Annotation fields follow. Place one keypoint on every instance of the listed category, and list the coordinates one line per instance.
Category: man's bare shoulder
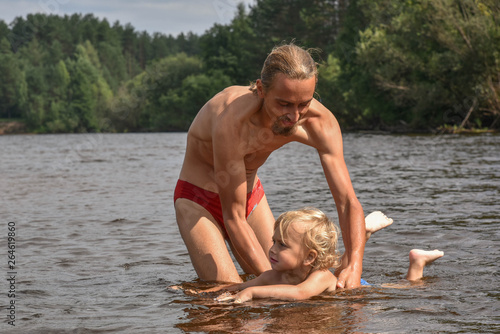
(319, 125)
(319, 114)
(235, 108)
(231, 95)
(234, 101)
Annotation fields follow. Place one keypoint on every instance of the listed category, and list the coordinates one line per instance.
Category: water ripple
(98, 243)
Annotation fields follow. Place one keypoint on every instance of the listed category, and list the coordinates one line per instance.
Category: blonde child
(304, 248)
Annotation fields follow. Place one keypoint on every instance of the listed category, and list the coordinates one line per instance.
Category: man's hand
(349, 278)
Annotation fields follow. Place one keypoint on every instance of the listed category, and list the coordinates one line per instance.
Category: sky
(163, 16)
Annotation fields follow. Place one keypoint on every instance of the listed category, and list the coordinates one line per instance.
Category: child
(304, 248)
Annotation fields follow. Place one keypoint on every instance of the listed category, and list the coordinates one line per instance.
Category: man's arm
(351, 220)
(328, 141)
(230, 176)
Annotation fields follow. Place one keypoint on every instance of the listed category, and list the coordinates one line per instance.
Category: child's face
(287, 254)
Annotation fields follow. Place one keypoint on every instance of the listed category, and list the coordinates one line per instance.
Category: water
(97, 243)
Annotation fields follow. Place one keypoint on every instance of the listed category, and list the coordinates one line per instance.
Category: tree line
(391, 65)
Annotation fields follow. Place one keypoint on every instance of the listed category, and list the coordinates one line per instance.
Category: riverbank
(12, 127)
(9, 127)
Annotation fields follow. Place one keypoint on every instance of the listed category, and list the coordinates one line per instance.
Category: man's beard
(286, 131)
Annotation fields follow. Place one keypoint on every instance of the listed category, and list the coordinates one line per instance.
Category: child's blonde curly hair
(320, 234)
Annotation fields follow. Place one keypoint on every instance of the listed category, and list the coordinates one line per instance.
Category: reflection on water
(98, 243)
(340, 313)
(256, 317)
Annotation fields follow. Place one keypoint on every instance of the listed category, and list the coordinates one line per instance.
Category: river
(96, 243)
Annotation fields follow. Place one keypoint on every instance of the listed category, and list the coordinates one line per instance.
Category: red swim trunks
(211, 201)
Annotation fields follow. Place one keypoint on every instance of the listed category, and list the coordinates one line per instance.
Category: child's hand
(198, 291)
(228, 297)
(236, 298)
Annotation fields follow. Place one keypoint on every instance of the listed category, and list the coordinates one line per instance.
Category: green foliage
(180, 106)
(234, 49)
(409, 64)
(62, 73)
(165, 97)
(422, 63)
(314, 23)
(13, 83)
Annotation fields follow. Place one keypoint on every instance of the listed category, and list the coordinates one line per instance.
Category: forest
(384, 65)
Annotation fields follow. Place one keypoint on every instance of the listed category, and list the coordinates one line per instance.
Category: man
(219, 196)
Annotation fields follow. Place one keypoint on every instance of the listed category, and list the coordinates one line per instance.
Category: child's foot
(418, 260)
(423, 258)
(376, 221)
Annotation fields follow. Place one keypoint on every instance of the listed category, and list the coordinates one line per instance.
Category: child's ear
(311, 257)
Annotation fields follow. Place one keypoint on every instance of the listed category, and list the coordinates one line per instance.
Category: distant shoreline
(19, 127)
(12, 127)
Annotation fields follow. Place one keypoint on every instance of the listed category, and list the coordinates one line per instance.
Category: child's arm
(316, 283)
(264, 279)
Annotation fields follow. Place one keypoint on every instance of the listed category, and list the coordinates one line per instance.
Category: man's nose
(294, 115)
